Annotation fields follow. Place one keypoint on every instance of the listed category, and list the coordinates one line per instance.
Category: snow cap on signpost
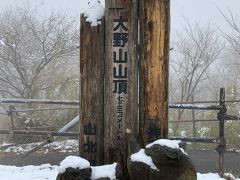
(94, 12)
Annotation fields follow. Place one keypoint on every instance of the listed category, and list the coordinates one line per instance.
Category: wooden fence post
(91, 92)
(121, 93)
(154, 61)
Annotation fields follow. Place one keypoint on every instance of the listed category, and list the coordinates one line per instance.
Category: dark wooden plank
(154, 61)
(91, 92)
(119, 4)
(120, 132)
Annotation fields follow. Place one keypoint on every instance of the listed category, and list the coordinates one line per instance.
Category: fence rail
(197, 120)
(43, 109)
(38, 101)
(67, 102)
(39, 133)
(204, 102)
(195, 139)
(195, 106)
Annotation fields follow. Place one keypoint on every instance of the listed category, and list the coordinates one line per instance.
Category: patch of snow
(73, 162)
(229, 175)
(60, 146)
(64, 146)
(5, 144)
(94, 12)
(183, 133)
(45, 171)
(20, 149)
(104, 171)
(203, 131)
(46, 151)
(2, 42)
(209, 176)
(166, 142)
(27, 120)
(140, 156)
(183, 151)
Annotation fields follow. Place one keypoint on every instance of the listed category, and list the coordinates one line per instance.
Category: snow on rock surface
(94, 12)
(140, 156)
(73, 162)
(104, 171)
(166, 142)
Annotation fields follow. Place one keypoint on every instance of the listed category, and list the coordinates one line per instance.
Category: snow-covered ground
(46, 171)
(59, 146)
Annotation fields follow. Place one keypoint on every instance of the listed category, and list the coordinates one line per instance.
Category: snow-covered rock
(162, 159)
(174, 144)
(77, 167)
(140, 156)
(73, 162)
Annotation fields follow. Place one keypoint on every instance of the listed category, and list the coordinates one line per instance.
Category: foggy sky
(194, 10)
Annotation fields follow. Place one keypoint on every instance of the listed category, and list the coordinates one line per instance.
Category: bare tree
(28, 45)
(194, 51)
(233, 37)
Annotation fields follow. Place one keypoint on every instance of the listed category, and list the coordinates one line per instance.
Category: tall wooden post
(154, 61)
(121, 100)
(91, 92)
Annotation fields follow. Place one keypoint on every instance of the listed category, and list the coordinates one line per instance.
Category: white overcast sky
(194, 10)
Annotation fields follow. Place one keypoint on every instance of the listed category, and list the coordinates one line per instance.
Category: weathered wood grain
(154, 62)
(118, 150)
(91, 91)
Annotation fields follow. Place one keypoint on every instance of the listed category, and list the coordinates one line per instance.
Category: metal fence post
(10, 114)
(222, 144)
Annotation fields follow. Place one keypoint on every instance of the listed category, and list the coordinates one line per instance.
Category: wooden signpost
(112, 84)
(154, 62)
(91, 92)
(121, 94)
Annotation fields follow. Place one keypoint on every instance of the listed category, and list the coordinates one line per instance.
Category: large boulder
(162, 160)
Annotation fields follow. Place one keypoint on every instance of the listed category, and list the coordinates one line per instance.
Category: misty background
(39, 59)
